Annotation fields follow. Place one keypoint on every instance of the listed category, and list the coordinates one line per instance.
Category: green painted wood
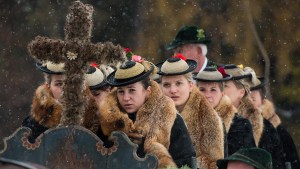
(74, 147)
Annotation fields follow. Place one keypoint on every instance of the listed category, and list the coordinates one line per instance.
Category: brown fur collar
(268, 112)
(45, 109)
(90, 117)
(226, 111)
(154, 120)
(247, 110)
(205, 128)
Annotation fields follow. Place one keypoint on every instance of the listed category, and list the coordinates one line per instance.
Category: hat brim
(124, 82)
(222, 164)
(228, 77)
(176, 43)
(99, 86)
(261, 85)
(45, 70)
(191, 63)
(241, 77)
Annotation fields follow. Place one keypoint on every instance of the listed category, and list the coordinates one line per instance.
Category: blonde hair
(189, 76)
(242, 84)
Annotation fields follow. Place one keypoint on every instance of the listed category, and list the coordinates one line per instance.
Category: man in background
(191, 41)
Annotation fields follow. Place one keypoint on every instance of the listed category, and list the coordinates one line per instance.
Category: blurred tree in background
(146, 27)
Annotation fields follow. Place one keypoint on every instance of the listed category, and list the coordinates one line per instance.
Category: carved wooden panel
(74, 147)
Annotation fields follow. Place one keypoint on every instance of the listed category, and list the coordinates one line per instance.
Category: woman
(267, 109)
(46, 107)
(238, 89)
(95, 79)
(238, 129)
(138, 108)
(98, 88)
(203, 123)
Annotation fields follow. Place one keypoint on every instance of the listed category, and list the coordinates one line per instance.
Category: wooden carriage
(70, 145)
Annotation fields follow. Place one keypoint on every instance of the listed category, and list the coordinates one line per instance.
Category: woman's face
(56, 85)
(100, 94)
(178, 88)
(212, 92)
(256, 98)
(133, 96)
(234, 93)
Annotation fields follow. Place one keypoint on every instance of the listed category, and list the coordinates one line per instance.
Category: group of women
(184, 119)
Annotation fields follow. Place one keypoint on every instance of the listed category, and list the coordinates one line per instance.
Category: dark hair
(145, 82)
(262, 92)
(104, 88)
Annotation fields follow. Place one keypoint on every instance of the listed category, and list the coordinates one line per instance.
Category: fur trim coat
(268, 112)
(265, 135)
(46, 112)
(238, 129)
(90, 116)
(247, 110)
(205, 128)
(154, 121)
(289, 148)
(45, 109)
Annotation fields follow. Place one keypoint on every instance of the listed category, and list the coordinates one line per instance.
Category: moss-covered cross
(76, 51)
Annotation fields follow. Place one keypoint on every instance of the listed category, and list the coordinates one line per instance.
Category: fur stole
(247, 110)
(154, 120)
(90, 117)
(45, 109)
(268, 112)
(205, 128)
(226, 111)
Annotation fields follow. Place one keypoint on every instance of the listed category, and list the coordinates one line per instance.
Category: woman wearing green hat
(204, 124)
(238, 129)
(238, 90)
(138, 108)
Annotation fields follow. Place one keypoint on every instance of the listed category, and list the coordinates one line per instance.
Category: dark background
(146, 27)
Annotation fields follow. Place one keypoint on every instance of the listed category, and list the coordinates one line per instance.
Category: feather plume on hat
(249, 70)
(143, 61)
(148, 65)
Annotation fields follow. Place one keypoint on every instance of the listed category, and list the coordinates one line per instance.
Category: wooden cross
(76, 51)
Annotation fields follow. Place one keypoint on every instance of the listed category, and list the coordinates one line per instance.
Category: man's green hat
(187, 35)
(256, 157)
